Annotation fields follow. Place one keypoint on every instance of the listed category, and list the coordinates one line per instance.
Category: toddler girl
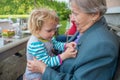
(42, 25)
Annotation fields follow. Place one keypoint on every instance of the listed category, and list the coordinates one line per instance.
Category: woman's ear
(95, 16)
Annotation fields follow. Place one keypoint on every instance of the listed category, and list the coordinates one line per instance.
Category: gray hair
(91, 6)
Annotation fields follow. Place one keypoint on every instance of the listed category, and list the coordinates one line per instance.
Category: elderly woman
(97, 47)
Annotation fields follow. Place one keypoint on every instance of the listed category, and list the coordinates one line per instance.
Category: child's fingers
(74, 53)
(74, 45)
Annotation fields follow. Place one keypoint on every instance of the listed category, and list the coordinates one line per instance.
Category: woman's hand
(36, 66)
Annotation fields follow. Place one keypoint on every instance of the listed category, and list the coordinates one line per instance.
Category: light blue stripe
(37, 49)
(35, 43)
(58, 60)
(36, 46)
(51, 61)
(54, 61)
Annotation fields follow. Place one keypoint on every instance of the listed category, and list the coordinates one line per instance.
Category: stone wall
(12, 67)
(113, 3)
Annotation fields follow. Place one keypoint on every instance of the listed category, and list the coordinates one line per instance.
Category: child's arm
(62, 45)
(39, 51)
(58, 45)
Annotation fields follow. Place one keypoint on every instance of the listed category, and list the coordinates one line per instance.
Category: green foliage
(15, 6)
(62, 29)
(64, 14)
(60, 7)
(20, 7)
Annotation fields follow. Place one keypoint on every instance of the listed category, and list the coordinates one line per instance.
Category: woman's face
(47, 31)
(82, 20)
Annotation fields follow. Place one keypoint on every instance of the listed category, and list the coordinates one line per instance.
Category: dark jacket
(96, 58)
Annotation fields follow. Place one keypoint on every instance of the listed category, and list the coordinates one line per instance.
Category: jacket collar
(101, 22)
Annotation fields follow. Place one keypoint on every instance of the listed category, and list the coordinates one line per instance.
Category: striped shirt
(38, 49)
(42, 51)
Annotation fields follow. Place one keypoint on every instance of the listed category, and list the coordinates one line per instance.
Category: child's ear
(40, 23)
(38, 32)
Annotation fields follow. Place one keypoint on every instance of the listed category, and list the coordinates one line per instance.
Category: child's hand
(70, 52)
(71, 45)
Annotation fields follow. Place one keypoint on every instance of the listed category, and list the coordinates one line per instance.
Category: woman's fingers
(36, 65)
(29, 65)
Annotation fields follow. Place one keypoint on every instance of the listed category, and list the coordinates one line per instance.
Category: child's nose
(53, 33)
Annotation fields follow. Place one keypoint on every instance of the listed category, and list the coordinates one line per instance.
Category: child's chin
(49, 39)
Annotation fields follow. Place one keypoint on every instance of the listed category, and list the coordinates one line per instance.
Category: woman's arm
(89, 65)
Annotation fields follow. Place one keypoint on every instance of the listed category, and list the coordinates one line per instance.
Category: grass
(62, 28)
(14, 16)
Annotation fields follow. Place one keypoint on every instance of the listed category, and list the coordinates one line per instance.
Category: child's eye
(49, 30)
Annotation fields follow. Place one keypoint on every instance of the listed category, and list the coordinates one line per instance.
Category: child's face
(48, 31)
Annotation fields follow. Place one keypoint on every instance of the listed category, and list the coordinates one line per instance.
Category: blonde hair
(91, 6)
(38, 17)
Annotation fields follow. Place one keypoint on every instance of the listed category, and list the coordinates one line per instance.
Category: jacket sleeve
(98, 65)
